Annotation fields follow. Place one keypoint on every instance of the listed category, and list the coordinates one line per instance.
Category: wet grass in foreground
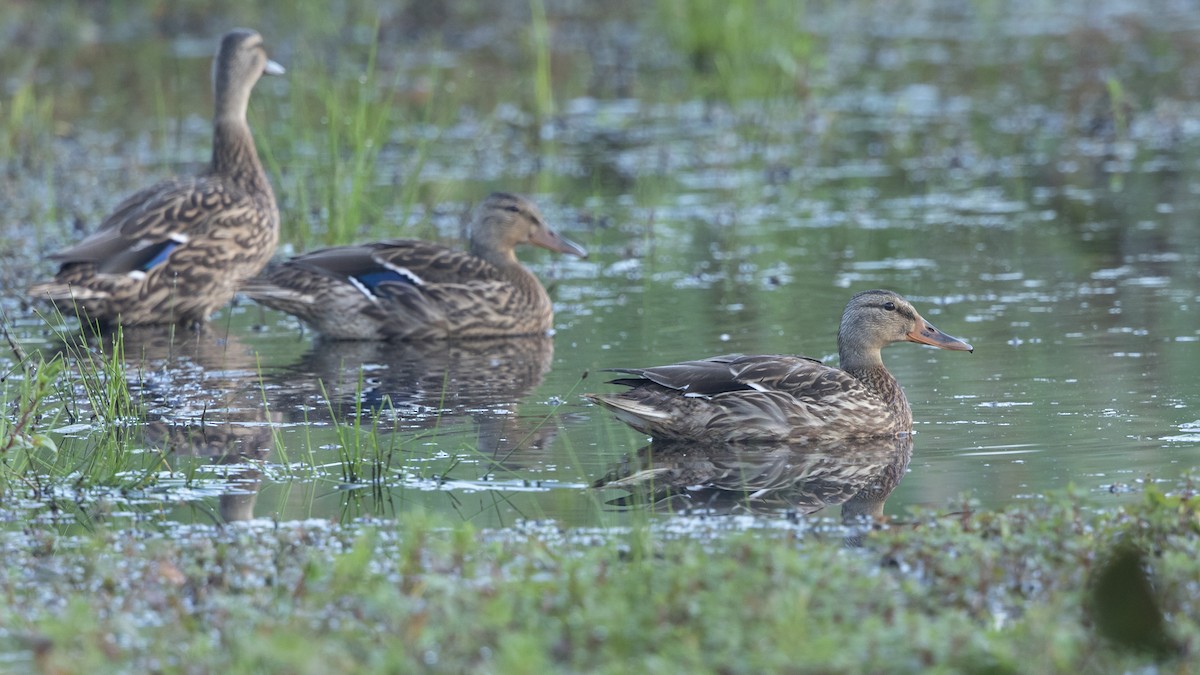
(967, 592)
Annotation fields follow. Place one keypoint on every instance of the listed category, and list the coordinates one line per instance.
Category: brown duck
(175, 252)
(737, 398)
(407, 289)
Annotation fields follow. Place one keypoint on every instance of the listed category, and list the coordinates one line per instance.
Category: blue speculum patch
(372, 280)
(160, 255)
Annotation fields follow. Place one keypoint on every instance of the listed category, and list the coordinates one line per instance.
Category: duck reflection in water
(419, 385)
(783, 479)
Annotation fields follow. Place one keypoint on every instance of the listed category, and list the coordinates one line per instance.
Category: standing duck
(735, 398)
(175, 252)
(407, 289)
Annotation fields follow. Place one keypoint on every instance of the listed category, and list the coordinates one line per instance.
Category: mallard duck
(175, 252)
(737, 398)
(408, 289)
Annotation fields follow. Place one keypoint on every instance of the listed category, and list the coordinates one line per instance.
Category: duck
(175, 252)
(737, 398)
(409, 289)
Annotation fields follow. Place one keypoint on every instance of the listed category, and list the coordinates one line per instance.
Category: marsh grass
(22, 425)
(325, 153)
(744, 49)
(366, 454)
(28, 118)
(33, 462)
(540, 41)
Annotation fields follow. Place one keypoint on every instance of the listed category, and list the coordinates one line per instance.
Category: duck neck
(867, 367)
(233, 153)
(506, 263)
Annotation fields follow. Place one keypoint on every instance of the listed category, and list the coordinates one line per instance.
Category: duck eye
(510, 207)
(889, 306)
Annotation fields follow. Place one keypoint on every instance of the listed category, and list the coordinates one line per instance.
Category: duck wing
(735, 398)
(434, 263)
(149, 224)
(798, 376)
(386, 265)
(400, 288)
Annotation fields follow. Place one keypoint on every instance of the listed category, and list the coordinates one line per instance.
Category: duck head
(240, 61)
(877, 318)
(505, 221)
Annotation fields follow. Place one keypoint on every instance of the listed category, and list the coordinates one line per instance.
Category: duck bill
(547, 238)
(273, 68)
(925, 333)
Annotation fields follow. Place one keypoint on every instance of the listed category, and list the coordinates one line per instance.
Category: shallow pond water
(1029, 182)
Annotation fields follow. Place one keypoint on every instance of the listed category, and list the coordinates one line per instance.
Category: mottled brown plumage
(737, 398)
(405, 289)
(177, 251)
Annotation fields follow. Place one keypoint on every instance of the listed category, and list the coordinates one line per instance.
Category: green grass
(342, 116)
(969, 592)
(347, 124)
(539, 37)
(87, 385)
(744, 49)
(27, 122)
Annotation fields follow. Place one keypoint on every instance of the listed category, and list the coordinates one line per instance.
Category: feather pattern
(177, 250)
(772, 398)
(407, 289)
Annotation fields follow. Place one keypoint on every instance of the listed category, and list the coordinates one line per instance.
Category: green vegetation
(82, 387)
(342, 116)
(745, 49)
(27, 118)
(969, 592)
(539, 36)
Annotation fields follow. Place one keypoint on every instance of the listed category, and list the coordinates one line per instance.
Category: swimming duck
(407, 289)
(175, 252)
(737, 398)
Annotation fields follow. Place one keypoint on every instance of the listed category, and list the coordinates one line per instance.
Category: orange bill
(926, 334)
